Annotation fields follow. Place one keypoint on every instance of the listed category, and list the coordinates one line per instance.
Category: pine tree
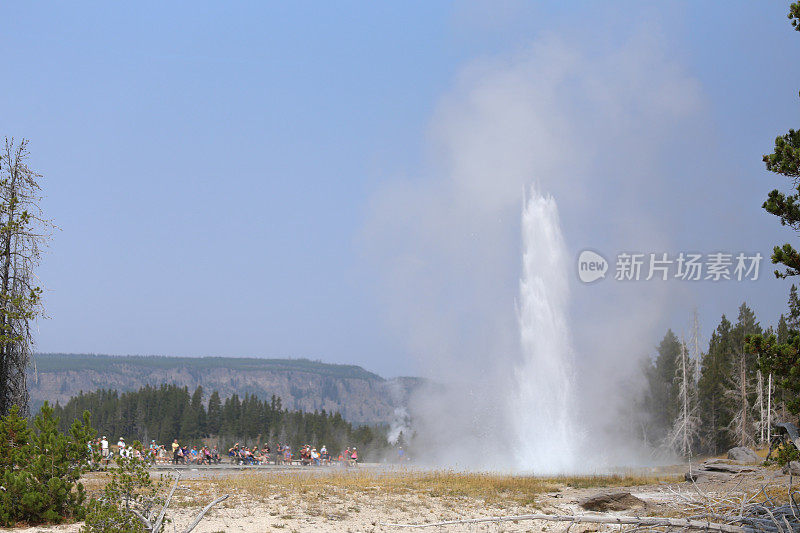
(714, 410)
(742, 379)
(782, 331)
(742, 422)
(741, 390)
(664, 389)
(41, 468)
(794, 309)
(777, 357)
(214, 416)
(190, 427)
(785, 160)
(199, 410)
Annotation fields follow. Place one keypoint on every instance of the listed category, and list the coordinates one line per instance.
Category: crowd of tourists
(154, 453)
(282, 454)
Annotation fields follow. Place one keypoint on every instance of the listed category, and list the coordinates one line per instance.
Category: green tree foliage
(783, 362)
(746, 324)
(777, 354)
(782, 331)
(169, 412)
(715, 367)
(785, 160)
(130, 490)
(727, 385)
(214, 415)
(41, 467)
(794, 15)
(662, 402)
(744, 384)
(793, 322)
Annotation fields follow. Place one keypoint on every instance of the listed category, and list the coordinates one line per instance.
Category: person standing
(175, 448)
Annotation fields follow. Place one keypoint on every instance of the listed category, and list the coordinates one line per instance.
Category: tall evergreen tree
(742, 389)
(782, 331)
(214, 416)
(199, 410)
(714, 409)
(794, 309)
(190, 428)
(785, 160)
(779, 356)
(662, 401)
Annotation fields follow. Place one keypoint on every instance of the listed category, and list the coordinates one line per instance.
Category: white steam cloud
(598, 129)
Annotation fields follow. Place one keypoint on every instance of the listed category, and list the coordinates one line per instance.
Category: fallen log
(594, 519)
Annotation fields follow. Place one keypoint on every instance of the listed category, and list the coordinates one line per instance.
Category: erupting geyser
(542, 404)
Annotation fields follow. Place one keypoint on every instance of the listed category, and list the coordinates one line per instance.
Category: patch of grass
(762, 452)
(616, 480)
(436, 484)
(490, 488)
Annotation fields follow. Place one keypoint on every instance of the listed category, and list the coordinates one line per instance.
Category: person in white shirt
(323, 455)
(121, 446)
(104, 447)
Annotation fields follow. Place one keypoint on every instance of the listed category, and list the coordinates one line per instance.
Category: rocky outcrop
(717, 465)
(743, 455)
(717, 470)
(615, 501)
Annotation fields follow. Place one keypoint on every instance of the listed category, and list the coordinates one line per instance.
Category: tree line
(168, 412)
(708, 401)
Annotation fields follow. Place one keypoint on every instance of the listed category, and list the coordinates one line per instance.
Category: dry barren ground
(337, 500)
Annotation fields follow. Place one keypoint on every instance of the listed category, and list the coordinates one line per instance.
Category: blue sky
(212, 167)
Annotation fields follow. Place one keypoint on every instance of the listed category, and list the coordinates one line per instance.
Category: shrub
(41, 467)
(785, 453)
(129, 492)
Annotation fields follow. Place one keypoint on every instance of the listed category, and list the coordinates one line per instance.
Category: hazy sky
(215, 169)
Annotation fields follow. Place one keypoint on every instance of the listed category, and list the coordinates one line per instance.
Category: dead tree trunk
(23, 231)
(742, 424)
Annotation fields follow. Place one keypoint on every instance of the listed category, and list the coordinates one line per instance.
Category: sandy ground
(266, 504)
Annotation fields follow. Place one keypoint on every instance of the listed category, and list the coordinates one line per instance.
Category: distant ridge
(55, 362)
(359, 395)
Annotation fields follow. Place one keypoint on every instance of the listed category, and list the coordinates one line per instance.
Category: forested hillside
(360, 396)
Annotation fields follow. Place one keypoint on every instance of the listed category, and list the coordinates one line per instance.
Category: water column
(542, 402)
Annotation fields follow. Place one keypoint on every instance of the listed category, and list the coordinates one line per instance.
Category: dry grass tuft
(616, 480)
(437, 484)
(315, 493)
(489, 487)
